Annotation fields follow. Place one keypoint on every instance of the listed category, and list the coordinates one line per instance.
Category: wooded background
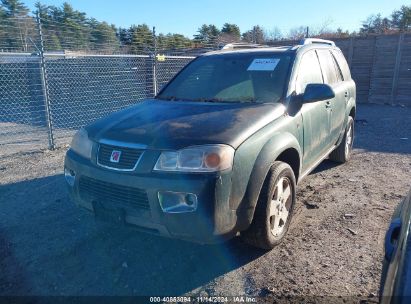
(61, 70)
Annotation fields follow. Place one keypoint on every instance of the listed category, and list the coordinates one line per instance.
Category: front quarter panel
(256, 155)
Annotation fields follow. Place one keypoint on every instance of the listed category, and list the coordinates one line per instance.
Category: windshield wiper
(209, 99)
(240, 99)
(247, 99)
(170, 98)
(214, 99)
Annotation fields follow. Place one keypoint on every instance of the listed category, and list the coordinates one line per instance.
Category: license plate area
(109, 214)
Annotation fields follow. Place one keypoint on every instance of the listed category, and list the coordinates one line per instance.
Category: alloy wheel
(280, 206)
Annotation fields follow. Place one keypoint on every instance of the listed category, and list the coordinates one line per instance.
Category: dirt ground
(50, 247)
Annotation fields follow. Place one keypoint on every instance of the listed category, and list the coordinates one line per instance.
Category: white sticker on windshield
(263, 64)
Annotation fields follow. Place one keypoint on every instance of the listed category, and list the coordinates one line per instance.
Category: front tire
(274, 208)
(342, 153)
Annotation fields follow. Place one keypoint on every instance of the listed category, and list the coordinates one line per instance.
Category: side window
(342, 63)
(308, 72)
(327, 66)
(340, 76)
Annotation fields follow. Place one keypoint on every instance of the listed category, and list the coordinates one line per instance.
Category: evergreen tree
(73, 28)
(14, 8)
(375, 24)
(3, 29)
(401, 19)
(255, 35)
(18, 26)
(103, 36)
(207, 35)
(172, 41)
(124, 36)
(50, 34)
(230, 32)
(142, 39)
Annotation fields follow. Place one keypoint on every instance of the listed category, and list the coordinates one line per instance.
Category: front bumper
(211, 222)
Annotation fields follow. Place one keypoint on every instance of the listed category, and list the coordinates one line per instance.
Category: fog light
(70, 176)
(177, 202)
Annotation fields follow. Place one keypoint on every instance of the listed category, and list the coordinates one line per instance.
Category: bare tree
(225, 38)
(273, 34)
(322, 29)
(297, 33)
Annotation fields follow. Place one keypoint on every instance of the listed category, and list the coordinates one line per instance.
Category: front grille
(100, 191)
(128, 158)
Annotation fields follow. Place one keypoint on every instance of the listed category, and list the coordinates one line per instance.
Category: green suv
(219, 151)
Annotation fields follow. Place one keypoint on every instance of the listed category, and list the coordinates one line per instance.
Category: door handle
(328, 104)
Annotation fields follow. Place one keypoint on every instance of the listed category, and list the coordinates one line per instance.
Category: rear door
(315, 114)
(342, 64)
(335, 106)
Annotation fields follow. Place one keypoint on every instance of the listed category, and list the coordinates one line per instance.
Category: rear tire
(274, 208)
(342, 153)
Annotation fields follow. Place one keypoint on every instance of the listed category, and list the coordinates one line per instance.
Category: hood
(178, 124)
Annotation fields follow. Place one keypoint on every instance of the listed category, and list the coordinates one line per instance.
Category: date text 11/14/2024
(204, 299)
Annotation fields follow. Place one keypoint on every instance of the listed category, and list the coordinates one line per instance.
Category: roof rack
(237, 46)
(306, 41)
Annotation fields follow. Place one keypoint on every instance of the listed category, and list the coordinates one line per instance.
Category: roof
(250, 50)
(234, 48)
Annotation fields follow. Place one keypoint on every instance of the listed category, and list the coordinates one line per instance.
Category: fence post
(396, 69)
(373, 68)
(350, 52)
(154, 61)
(45, 88)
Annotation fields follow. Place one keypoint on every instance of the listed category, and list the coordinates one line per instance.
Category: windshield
(241, 77)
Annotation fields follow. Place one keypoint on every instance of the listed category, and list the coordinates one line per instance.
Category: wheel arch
(283, 147)
(352, 112)
(291, 156)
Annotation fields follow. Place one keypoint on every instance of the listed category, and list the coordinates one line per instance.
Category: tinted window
(327, 66)
(241, 77)
(308, 72)
(340, 76)
(342, 63)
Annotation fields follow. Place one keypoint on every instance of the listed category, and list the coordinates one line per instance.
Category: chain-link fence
(85, 88)
(22, 111)
(58, 74)
(46, 95)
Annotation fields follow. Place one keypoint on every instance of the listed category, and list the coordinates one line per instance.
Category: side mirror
(316, 92)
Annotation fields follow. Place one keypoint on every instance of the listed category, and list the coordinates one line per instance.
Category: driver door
(314, 115)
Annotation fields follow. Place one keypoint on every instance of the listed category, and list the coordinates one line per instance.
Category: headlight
(208, 158)
(81, 144)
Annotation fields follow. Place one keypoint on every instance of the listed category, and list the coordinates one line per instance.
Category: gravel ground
(50, 247)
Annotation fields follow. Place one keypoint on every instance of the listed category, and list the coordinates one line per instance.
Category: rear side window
(308, 72)
(327, 66)
(338, 69)
(342, 63)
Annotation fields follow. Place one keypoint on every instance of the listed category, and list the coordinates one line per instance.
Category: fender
(265, 159)
(350, 106)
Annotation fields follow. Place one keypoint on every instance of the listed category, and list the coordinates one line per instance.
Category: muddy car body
(395, 286)
(211, 157)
